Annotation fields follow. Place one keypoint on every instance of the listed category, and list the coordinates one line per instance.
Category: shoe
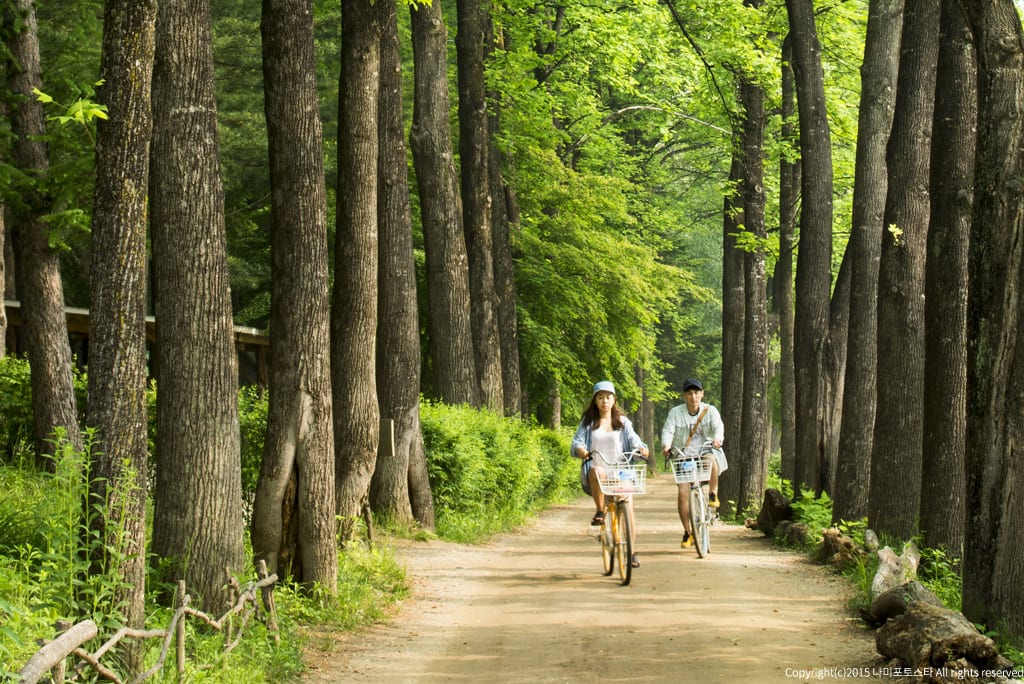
(634, 561)
(687, 541)
(713, 500)
(598, 519)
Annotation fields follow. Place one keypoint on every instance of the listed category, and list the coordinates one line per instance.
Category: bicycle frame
(616, 533)
(693, 466)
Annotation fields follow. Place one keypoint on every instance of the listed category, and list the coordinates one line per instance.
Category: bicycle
(618, 481)
(693, 465)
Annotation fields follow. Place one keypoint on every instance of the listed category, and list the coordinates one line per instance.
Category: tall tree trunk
(504, 274)
(835, 367)
(474, 148)
(945, 363)
(893, 507)
(789, 199)
(993, 315)
(197, 517)
(754, 437)
(117, 335)
(814, 264)
(293, 523)
(3, 281)
(878, 87)
(354, 317)
(733, 330)
(451, 337)
(400, 488)
(39, 283)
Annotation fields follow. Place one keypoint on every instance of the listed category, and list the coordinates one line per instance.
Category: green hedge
(488, 472)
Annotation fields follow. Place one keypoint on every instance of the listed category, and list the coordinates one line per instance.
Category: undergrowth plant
(489, 473)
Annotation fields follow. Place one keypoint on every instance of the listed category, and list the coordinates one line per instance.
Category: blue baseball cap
(604, 386)
(692, 383)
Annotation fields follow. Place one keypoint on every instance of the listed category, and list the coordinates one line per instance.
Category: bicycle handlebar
(629, 455)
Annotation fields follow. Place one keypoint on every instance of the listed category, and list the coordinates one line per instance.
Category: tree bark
(396, 490)
(993, 313)
(878, 87)
(299, 443)
(197, 517)
(117, 318)
(39, 282)
(754, 437)
(896, 455)
(945, 363)
(789, 197)
(3, 281)
(474, 149)
(504, 273)
(814, 263)
(450, 329)
(354, 316)
(733, 330)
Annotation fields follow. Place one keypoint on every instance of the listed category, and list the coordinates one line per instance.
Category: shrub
(489, 472)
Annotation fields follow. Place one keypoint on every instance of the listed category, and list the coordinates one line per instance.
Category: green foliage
(940, 573)
(15, 410)
(16, 428)
(488, 472)
(253, 406)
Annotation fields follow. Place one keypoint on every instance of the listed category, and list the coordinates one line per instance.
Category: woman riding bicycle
(604, 428)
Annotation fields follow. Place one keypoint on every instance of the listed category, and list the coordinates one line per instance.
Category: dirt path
(534, 607)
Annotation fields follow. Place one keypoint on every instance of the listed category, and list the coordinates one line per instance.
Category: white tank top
(608, 442)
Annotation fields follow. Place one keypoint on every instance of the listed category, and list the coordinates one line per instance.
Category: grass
(489, 474)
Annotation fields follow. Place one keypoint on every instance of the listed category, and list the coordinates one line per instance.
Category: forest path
(533, 606)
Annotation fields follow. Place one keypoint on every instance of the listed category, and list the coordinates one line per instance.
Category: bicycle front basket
(623, 478)
(692, 468)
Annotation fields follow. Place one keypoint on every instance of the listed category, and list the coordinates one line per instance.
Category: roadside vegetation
(937, 571)
(488, 473)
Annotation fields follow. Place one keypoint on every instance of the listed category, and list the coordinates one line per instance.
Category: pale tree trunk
(117, 321)
(945, 362)
(733, 334)
(878, 88)
(450, 328)
(814, 263)
(474, 149)
(400, 488)
(789, 186)
(835, 367)
(993, 591)
(197, 517)
(39, 283)
(354, 316)
(753, 442)
(502, 220)
(293, 523)
(3, 282)
(893, 507)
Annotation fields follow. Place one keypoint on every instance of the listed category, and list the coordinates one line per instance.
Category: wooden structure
(251, 344)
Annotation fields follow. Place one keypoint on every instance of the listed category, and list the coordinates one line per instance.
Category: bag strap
(694, 428)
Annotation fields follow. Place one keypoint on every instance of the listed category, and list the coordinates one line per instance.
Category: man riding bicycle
(694, 422)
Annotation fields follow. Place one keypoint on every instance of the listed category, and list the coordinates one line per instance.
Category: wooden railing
(53, 657)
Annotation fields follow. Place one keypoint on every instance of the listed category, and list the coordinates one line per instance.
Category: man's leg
(683, 504)
(713, 484)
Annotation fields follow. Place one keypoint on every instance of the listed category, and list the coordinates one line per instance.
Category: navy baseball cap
(692, 383)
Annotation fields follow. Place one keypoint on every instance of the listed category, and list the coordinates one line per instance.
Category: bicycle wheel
(699, 518)
(605, 537)
(624, 545)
